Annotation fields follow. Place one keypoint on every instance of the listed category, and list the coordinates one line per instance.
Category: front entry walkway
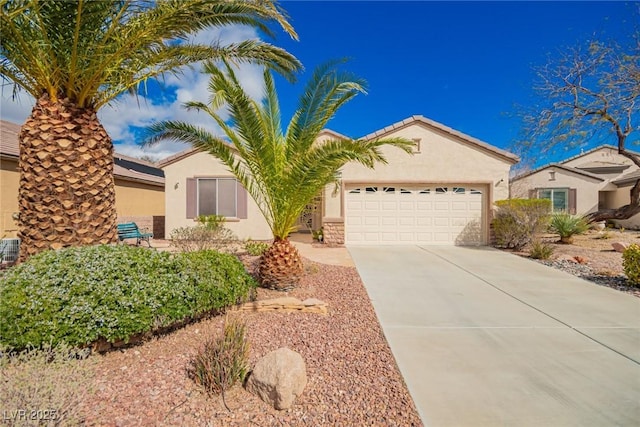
(485, 338)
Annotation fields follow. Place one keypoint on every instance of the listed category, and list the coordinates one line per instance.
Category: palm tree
(282, 171)
(74, 57)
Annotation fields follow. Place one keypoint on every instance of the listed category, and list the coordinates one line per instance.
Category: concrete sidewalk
(485, 338)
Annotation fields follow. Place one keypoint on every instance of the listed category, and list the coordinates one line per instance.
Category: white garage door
(430, 214)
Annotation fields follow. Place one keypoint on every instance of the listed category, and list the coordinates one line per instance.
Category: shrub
(49, 381)
(567, 226)
(210, 233)
(256, 248)
(518, 220)
(222, 361)
(631, 263)
(541, 250)
(81, 295)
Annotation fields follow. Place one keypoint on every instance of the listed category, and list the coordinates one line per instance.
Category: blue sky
(464, 64)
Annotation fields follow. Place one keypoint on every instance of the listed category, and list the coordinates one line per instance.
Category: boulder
(619, 246)
(278, 378)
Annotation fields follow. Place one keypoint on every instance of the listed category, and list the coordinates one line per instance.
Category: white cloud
(16, 109)
(127, 113)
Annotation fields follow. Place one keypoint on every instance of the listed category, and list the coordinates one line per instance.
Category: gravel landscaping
(352, 375)
(592, 258)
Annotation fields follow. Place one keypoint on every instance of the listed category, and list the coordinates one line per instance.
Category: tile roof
(577, 156)
(125, 167)
(380, 133)
(446, 129)
(559, 166)
(629, 178)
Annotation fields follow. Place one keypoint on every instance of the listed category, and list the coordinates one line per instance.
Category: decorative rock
(278, 378)
(619, 246)
(310, 305)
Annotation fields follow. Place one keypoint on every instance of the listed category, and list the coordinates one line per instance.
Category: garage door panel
(406, 206)
(371, 220)
(354, 220)
(389, 237)
(387, 214)
(459, 206)
(425, 222)
(406, 237)
(389, 220)
(406, 221)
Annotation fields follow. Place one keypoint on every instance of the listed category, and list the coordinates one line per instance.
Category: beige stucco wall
(9, 181)
(586, 188)
(442, 158)
(621, 198)
(132, 198)
(138, 199)
(205, 165)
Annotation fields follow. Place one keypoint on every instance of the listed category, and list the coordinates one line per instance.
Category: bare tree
(587, 93)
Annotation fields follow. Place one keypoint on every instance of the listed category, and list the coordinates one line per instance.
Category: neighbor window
(559, 198)
(217, 196)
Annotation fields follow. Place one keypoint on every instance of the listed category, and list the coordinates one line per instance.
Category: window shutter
(242, 198)
(572, 201)
(192, 198)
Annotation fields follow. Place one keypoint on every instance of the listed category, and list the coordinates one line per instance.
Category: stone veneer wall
(333, 231)
(154, 224)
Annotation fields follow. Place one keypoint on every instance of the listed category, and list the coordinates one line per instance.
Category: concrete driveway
(485, 338)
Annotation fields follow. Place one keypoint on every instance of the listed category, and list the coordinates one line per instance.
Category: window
(559, 198)
(442, 190)
(217, 196)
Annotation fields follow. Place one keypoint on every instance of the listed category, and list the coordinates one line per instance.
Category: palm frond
(91, 51)
(282, 173)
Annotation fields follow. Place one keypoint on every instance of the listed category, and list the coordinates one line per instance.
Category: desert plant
(255, 248)
(210, 234)
(517, 221)
(540, 250)
(74, 57)
(43, 386)
(318, 234)
(212, 222)
(283, 170)
(604, 235)
(567, 226)
(85, 294)
(631, 263)
(223, 361)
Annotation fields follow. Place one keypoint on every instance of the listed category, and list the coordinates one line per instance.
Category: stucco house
(596, 179)
(442, 194)
(139, 187)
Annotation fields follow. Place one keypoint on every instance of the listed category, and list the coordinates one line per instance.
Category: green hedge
(631, 263)
(79, 295)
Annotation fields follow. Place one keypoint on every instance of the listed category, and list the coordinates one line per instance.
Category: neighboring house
(139, 187)
(443, 194)
(596, 179)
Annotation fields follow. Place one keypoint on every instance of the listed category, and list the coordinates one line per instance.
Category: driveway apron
(486, 338)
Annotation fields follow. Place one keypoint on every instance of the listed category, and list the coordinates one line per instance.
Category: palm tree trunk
(67, 192)
(281, 266)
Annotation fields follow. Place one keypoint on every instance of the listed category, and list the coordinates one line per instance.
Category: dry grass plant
(44, 386)
(223, 361)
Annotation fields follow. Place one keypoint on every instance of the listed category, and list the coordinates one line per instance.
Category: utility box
(9, 250)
